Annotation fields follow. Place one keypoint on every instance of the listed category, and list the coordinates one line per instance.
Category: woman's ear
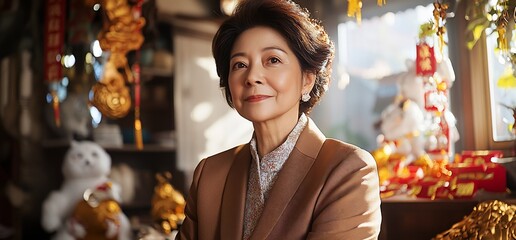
(308, 81)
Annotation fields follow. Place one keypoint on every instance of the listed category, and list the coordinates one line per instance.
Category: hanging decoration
(425, 59)
(119, 35)
(138, 135)
(440, 22)
(355, 8)
(492, 17)
(54, 42)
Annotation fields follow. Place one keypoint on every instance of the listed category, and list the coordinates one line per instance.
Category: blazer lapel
(233, 200)
(289, 179)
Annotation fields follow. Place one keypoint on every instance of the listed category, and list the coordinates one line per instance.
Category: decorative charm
(489, 220)
(120, 34)
(305, 97)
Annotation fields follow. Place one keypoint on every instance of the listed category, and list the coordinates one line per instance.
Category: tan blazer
(326, 189)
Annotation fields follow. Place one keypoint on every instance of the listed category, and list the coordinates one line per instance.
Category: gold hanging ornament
(501, 28)
(120, 34)
(355, 9)
(440, 15)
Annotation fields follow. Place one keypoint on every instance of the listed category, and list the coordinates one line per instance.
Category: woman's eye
(238, 65)
(274, 60)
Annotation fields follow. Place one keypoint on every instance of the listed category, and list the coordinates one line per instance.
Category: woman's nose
(254, 76)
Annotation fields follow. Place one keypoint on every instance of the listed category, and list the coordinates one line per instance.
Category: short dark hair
(305, 36)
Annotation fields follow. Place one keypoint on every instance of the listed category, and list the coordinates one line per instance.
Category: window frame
(481, 99)
(471, 101)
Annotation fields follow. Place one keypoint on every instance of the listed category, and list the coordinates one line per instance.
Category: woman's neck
(271, 134)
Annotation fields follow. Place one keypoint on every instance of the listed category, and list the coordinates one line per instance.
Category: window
(502, 93)
(379, 47)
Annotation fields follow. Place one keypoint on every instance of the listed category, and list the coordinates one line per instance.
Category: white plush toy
(398, 121)
(411, 86)
(402, 122)
(86, 165)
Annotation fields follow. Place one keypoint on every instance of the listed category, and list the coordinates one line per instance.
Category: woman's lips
(256, 98)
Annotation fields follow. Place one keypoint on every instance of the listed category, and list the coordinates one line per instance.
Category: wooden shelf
(148, 73)
(147, 148)
(416, 218)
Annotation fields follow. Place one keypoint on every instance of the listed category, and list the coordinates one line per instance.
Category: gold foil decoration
(355, 9)
(119, 35)
(501, 28)
(167, 205)
(381, 2)
(489, 220)
(440, 16)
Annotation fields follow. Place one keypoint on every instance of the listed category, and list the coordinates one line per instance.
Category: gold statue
(99, 216)
(167, 204)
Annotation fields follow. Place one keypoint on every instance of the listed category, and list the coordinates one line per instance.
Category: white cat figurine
(86, 165)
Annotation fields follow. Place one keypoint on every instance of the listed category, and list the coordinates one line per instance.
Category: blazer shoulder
(223, 159)
(340, 151)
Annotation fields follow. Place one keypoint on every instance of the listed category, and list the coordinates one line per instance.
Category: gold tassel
(381, 2)
(502, 41)
(138, 138)
(355, 9)
(55, 106)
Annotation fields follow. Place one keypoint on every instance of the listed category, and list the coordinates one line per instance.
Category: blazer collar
(233, 199)
(290, 177)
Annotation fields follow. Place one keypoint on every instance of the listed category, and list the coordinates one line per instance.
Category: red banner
(54, 39)
(425, 60)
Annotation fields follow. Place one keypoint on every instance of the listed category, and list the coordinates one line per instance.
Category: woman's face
(265, 77)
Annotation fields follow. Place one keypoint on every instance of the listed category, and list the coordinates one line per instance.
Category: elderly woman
(289, 181)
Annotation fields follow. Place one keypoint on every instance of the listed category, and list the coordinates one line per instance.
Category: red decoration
(491, 176)
(137, 9)
(425, 60)
(478, 157)
(54, 39)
